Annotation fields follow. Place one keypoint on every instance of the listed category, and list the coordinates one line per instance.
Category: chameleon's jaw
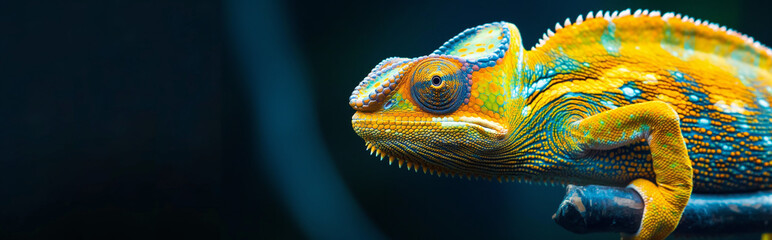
(485, 127)
(420, 142)
(409, 125)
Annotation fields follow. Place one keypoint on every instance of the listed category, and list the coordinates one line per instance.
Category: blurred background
(229, 119)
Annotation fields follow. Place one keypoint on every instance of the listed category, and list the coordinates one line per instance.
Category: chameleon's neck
(548, 98)
(539, 142)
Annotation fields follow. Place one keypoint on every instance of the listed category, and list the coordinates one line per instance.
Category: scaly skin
(663, 104)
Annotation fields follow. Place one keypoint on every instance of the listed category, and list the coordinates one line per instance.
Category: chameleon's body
(662, 103)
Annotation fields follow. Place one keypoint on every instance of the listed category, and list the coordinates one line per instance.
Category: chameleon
(661, 103)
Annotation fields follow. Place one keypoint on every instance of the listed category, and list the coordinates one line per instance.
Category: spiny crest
(645, 12)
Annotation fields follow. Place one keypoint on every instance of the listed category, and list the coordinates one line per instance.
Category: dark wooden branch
(613, 209)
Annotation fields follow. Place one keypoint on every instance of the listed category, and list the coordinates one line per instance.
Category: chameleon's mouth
(389, 136)
(485, 127)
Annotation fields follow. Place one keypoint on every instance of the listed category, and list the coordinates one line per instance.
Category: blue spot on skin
(763, 103)
(628, 91)
(609, 104)
(564, 65)
(611, 43)
(679, 77)
(726, 147)
(540, 84)
(573, 95)
(527, 91)
(704, 121)
(516, 92)
(767, 141)
(693, 98)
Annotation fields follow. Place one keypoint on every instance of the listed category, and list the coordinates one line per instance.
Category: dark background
(210, 119)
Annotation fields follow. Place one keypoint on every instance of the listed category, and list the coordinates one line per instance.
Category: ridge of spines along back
(469, 176)
(645, 12)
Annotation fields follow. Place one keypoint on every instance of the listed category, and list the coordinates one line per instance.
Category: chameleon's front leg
(658, 123)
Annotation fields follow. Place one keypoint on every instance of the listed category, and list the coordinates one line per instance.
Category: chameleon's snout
(379, 84)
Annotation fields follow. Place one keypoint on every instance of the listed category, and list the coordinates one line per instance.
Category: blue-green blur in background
(230, 119)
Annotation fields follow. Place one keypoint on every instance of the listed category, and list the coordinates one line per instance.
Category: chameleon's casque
(663, 103)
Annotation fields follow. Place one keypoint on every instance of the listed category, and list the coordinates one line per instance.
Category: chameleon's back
(718, 81)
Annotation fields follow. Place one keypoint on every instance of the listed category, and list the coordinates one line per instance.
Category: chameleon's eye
(436, 81)
(438, 85)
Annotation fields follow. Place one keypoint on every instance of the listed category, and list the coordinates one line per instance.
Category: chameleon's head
(446, 111)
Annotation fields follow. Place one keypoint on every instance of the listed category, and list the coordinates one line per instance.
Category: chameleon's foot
(657, 123)
(660, 216)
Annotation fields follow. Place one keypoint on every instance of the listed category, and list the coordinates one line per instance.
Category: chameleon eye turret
(439, 85)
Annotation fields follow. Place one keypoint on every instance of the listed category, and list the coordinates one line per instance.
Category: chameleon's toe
(660, 216)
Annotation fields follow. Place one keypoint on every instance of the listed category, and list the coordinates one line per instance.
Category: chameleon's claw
(660, 217)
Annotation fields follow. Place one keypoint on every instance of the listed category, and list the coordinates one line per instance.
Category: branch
(595, 208)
